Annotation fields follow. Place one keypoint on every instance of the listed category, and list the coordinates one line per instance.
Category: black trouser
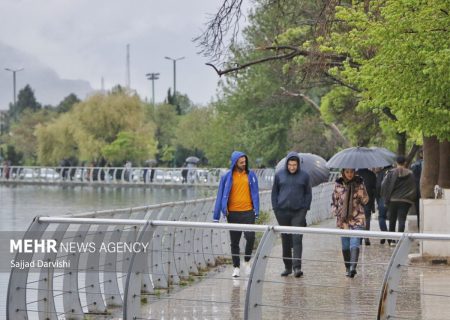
(289, 241)
(242, 217)
(397, 211)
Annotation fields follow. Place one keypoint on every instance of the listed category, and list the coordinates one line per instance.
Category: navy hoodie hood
(293, 156)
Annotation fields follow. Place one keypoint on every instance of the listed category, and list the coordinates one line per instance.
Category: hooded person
(347, 205)
(238, 201)
(398, 190)
(291, 199)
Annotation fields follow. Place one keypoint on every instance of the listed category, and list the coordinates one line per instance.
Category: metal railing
(140, 176)
(182, 243)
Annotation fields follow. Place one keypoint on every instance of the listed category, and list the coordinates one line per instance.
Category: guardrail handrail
(183, 240)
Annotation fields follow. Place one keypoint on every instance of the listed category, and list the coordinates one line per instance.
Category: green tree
(166, 119)
(22, 134)
(129, 145)
(94, 124)
(398, 55)
(254, 111)
(309, 134)
(67, 103)
(25, 100)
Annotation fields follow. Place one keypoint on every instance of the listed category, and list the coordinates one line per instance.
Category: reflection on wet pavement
(322, 293)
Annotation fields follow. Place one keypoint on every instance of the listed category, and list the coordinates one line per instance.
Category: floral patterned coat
(349, 215)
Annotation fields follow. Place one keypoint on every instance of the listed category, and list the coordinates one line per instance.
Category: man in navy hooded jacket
(238, 200)
(291, 199)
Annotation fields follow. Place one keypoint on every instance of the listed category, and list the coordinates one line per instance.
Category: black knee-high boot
(346, 255)
(354, 254)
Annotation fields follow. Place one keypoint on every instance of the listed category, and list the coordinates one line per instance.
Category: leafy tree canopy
(98, 125)
(399, 56)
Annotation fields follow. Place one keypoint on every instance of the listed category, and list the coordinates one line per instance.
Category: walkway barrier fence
(176, 242)
(139, 176)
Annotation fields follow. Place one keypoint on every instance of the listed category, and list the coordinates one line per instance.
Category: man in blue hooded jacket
(238, 200)
(291, 199)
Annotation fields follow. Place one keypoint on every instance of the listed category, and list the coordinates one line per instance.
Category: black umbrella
(313, 164)
(358, 158)
(192, 159)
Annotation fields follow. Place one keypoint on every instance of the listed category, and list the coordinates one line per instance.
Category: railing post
(71, 297)
(94, 297)
(132, 293)
(388, 295)
(46, 300)
(255, 284)
(16, 304)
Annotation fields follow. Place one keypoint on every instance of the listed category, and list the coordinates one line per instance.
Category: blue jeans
(349, 243)
(382, 214)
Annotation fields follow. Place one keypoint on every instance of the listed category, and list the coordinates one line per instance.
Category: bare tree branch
(226, 20)
(316, 107)
(389, 114)
(342, 83)
(332, 59)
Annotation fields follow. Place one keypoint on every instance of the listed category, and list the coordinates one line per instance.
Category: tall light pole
(14, 71)
(153, 76)
(174, 75)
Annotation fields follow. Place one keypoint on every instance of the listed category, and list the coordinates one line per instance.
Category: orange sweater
(240, 198)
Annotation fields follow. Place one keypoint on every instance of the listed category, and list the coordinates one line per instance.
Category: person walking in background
(238, 200)
(347, 205)
(291, 199)
(184, 173)
(370, 182)
(398, 190)
(382, 210)
(6, 169)
(416, 168)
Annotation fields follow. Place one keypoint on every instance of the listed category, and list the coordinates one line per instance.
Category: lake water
(21, 203)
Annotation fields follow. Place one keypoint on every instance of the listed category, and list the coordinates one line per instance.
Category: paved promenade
(323, 293)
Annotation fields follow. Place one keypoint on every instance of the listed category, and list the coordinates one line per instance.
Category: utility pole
(14, 71)
(174, 75)
(153, 76)
(128, 82)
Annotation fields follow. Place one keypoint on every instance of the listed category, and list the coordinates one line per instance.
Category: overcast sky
(86, 39)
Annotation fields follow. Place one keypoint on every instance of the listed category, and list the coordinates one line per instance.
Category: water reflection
(19, 204)
(236, 311)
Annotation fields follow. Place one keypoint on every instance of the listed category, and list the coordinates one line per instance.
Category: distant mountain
(48, 87)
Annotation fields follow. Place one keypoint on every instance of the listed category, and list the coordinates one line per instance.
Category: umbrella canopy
(388, 154)
(313, 164)
(151, 162)
(358, 158)
(192, 159)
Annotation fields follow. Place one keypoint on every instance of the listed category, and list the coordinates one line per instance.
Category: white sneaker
(236, 272)
(247, 268)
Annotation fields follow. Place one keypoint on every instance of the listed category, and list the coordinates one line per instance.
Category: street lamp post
(153, 76)
(14, 71)
(174, 75)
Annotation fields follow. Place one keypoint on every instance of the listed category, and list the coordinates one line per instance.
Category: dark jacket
(226, 182)
(370, 182)
(399, 185)
(380, 176)
(291, 191)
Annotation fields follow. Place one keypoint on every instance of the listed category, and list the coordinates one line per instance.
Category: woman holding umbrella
(348, 200)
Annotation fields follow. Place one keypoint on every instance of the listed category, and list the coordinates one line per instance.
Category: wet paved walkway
(322, 293)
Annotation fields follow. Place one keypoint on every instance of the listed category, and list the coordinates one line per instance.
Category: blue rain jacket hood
(291, 191)
(226, 182)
